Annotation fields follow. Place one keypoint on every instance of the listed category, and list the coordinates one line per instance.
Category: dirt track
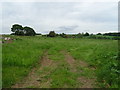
(86, 82)
(33, 79)
(36, 80)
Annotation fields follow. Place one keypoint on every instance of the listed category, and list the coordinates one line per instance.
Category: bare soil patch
(86, 82)
(70, 60)
(36, 80)
(8, 41)
(45, 61)
(33, 79)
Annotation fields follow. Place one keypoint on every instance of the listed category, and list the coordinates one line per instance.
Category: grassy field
(24, 53)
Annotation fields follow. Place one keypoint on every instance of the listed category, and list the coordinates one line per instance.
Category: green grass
(62, 76)
(23, 54)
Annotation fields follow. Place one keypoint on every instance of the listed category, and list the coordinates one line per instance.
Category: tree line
(28, 31)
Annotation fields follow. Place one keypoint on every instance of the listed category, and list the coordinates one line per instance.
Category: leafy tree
(29, 31)
(91, 34)
(19, 33)
(19, 30)
(112, 34)
(52, 34)
(86, 34)
(99, 34)
(57, 34)
(63, 35)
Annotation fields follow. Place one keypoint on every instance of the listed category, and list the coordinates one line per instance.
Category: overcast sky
(62, 17)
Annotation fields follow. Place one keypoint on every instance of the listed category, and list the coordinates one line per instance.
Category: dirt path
(37, 77)
(70, 60)
(85, 81)
(33, 79)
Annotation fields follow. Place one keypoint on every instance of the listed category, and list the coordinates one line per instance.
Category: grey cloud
(96, 12)
(65, 28)
(61, 17)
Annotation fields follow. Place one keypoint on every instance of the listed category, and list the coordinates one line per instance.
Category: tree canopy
(52, 34)
(24, 31)
(86, 34)
(16, 27)
(29, 31)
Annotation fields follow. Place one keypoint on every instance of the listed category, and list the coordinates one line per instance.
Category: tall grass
(21, 55)
(103, 55)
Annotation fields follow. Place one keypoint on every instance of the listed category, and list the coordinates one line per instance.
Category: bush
(51, 34)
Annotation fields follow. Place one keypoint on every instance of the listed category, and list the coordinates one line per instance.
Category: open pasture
(59, 62)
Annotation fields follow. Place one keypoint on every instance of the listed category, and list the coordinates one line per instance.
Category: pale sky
(62, 17)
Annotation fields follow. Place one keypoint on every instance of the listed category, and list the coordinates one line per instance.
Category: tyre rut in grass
(35, 80)
(40, 76)
(84, 81)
